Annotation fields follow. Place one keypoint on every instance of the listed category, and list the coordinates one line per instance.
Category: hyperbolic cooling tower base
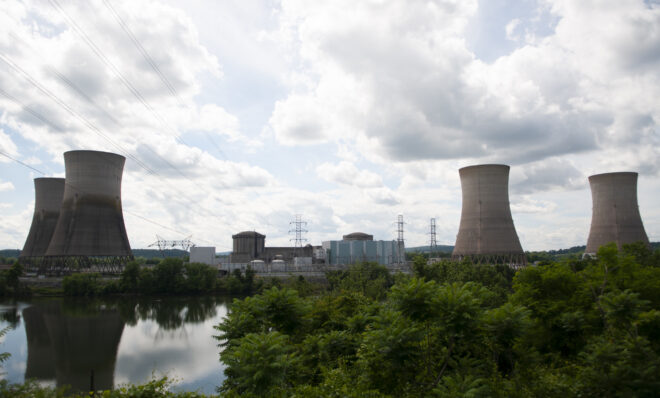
(512, 260)
(63, 265)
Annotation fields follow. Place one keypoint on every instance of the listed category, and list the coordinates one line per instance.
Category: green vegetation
(169, 277)
(9, 282)
(587, 328)
(157, 388)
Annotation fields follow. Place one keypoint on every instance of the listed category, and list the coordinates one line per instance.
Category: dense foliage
(169, 277)
(586, 328)
(9, 282)
(157, 388)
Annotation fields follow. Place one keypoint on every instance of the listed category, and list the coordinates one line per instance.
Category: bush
(199, 278)
(130, 277)
(81, 285)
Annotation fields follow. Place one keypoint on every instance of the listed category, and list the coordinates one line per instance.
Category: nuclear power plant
(89, 230)
(615, 214)
(486, 233)
(78, 223)
(48, 194)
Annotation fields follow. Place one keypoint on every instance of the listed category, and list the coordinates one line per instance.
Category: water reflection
(106, 342)
(76, 346)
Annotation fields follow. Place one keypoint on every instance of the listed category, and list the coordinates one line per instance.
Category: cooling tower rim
(484, 166)
(49, 178)
(88, 151)
(614, 174)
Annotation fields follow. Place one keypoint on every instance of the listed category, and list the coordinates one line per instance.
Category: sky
(238, 115)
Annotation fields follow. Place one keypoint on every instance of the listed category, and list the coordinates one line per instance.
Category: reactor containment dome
(486, 233)
(615, 214)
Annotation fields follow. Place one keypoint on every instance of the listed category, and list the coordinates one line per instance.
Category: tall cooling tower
(91, 223)
(615, 215)
(486, 233)
(47, 202)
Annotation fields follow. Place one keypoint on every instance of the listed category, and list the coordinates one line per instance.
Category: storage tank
(615, 213)
(91, 221)
(486, 233)
(48, 194)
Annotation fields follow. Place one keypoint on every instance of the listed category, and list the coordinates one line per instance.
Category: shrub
(81, 284)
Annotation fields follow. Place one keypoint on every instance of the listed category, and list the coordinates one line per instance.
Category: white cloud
(346, 173)
(420, 94)
(6, 186)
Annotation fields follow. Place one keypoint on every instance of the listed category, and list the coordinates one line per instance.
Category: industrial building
(204, 255)
(48, 194)
(615, 213)
(486, 233)
(251, 245)
(90, 228)
(359, 246)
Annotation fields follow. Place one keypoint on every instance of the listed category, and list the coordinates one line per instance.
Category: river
(109, 342)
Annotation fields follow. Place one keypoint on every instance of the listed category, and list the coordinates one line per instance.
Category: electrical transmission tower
(433, 247)
(400, 240)
(298, 230)
(164, 244)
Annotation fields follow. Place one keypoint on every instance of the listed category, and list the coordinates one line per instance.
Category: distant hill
(426, 249)
(155, 253)
(10, 253)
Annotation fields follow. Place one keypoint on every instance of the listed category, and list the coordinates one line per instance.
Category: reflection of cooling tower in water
(615, 215)
(85, 344)
(91, 221)
(68, 348)
(48, 194)
(486, 233)
(40, 364)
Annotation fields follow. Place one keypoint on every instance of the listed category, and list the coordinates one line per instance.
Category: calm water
(60, 341)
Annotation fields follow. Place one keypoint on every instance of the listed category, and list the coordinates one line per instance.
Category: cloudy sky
(238, 115)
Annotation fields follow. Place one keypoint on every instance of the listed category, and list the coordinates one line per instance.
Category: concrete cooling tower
(48, 194)
(615, 215)
(486, 233)
(91, 222)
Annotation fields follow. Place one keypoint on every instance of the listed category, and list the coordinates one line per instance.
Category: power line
(24, 164)
(48, 122)
(89, 124)
(154, 66)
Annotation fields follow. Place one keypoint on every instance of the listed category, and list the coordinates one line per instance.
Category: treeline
(588, 328)
(171, 276)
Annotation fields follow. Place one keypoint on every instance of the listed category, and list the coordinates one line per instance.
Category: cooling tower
(486, 233)
(91, 223)
(47, 201)
(615, 215)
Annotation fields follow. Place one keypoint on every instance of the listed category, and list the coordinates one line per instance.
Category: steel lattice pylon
(433, 246)
(400, 240)
(164, 244)
(298, 230)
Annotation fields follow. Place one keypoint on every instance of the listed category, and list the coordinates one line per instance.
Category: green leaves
(258, 363)
(586, 328)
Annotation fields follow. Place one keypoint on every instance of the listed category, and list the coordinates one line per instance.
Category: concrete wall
(48, 193)
(615, 213)
(91, 222)
(486, 226)
(204, 255)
